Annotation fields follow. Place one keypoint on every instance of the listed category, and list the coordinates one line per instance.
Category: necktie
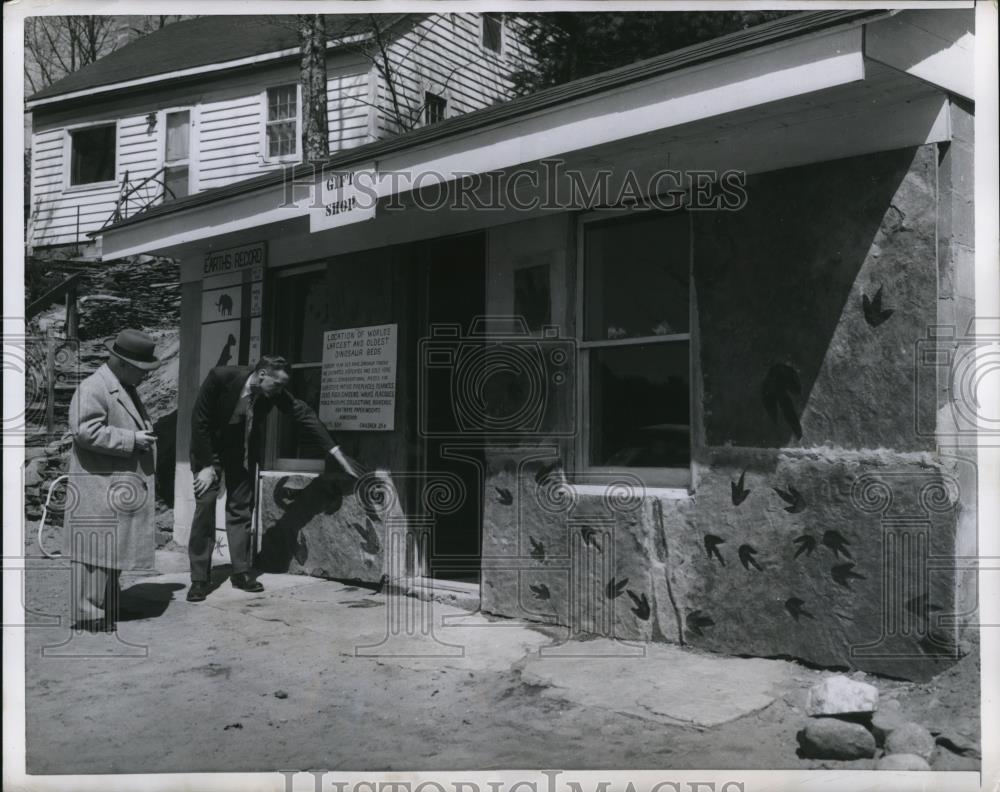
(248, 429)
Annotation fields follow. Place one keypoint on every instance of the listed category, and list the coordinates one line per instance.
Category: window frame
(428, 95)
(265, 122)
(192, 159)
(660, 478)
(68, 131)
(271, 458)
(501, 51)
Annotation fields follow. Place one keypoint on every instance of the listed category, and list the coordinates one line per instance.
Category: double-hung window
(492, 38)
(176, 155)
(635, 345)
(281, 129)
(435, 108)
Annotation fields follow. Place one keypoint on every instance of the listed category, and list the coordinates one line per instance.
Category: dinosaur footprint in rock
(843, 574)
(504, 496)
(795, 608)
(640, 605)
(697, 621)
(590, 538)
(615, 589)
(791, 496)
(369, 537)
(541, 591)
(837, 543)
(712, 543)
(806, 544)
(739, 492)
(746, 553)
(537, 549)
(873, 311)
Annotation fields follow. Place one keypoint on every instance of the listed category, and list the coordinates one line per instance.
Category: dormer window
(493, 32)
(92, 154)
(281, 139)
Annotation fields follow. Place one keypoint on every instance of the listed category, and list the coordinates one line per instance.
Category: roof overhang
(813, 98)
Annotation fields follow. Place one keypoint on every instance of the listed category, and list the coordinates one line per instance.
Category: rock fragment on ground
(902, 762)
(888, 717)
(840, 695)
(832, 738)
(910, 738)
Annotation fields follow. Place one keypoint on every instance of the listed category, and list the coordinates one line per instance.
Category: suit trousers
(239, 523)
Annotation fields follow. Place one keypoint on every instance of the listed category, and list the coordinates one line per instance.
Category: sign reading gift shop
(358, 386)
(231, 305)
(345, 197)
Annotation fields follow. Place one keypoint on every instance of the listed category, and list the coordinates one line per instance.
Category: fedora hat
(135, 347)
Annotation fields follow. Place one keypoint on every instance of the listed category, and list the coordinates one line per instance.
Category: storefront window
(636, 342)
(301, 318)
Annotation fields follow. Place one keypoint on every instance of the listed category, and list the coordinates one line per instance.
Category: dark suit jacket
(214, 407)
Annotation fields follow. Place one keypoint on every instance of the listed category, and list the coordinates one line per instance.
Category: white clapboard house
(214, 100)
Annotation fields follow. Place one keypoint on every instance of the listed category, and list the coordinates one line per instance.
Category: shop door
(455, 295)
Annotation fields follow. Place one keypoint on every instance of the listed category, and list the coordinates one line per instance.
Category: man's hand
(204, 480)
(350, 467)
(144, 440)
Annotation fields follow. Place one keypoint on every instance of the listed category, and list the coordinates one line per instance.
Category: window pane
(93, 155)
(636, 277)
(492, 31)
(292, 444)
(281, 102)
(281, 139)
(177, 135)
(176, 181)
(639, 405)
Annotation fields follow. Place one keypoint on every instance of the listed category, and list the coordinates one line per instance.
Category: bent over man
(226, 440)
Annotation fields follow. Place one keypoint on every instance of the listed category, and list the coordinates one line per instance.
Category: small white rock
(902, 762)
(839, 695)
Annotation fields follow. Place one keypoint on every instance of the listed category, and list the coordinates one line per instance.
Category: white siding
(229, 141)
(443, 54)
(348, 108)
(64, 216)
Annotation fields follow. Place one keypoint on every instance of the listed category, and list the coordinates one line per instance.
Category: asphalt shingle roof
(196, 42)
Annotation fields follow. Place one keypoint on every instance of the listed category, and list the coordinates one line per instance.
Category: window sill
(668, 493)
(76, 188)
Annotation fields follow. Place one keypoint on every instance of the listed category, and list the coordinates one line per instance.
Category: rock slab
(840, 695)
(830, 738)
(910, 738)
(902, 762)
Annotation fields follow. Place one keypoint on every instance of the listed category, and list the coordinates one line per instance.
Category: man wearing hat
(111, 500)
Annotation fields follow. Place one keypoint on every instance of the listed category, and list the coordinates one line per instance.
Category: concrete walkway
(313, 673)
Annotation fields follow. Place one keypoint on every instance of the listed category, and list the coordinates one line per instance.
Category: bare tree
(312, 75)
(59, 45)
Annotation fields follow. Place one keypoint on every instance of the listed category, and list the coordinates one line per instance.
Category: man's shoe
(246, 582)
(197, 592)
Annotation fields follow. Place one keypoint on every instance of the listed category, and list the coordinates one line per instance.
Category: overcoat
(110, 500)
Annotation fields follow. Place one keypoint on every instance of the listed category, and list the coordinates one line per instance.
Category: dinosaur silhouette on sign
(872, 309)
(776, 392)
(837, 543)
(615, 589)
(696, 621)
(504, 496)
(746, 553)
(641, 605)
(224, 305)
(712, 543)
(792, 497)
(225, 355)
(739, 492)
(806, 544)
(541, 591)
(537, 549)
(795, 609)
